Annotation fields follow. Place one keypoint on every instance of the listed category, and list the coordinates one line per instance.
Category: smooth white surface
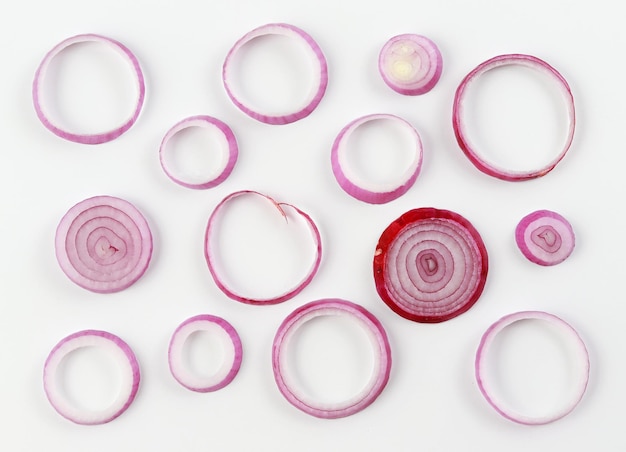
(431, 402)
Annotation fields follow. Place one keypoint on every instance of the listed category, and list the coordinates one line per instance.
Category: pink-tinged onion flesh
(363, 190)
(233, 353)
(382, 358)
(122, 354)
(320, 73)
(103, 244)
(430, 265)
(545, 237)
(410, 64)
(460, 126)
(582, 363)
(96, 138)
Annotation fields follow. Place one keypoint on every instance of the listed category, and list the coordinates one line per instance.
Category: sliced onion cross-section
(545, 237)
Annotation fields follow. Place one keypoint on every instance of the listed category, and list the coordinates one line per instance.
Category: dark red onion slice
(103, 244)
(410, 64)
(97, 138)
(316, 55)
(430, 265)
(382, 357)
(500, 405)
(230, 364)
(545, 237)
(362, 190)
(211, 261)
(229, 146)
(460, 127)
(122, 354)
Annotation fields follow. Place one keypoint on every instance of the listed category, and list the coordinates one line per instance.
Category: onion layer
(545, 237)
(430, 265)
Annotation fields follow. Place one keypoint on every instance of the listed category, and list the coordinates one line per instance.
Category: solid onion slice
(430, 265)
(103, 244)
(460, 126)
(320, 73)
(227, 142)
(545, 237)
(122, 354)
(559, 325)
(211, 261)
(231, 362)
(410, 64)
(96, 138)
(286, 382)
(366, 191)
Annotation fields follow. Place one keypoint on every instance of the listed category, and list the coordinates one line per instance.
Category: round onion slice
(382, 358)
(545, 237)
(430, 265)
(210, 258)
(410, 64)
(316, 55)
(227, 141)
(96, 138)
(362, 190)
(559, 325)
(232, 353)
(460, 127)
(103, 244)
(123, 355)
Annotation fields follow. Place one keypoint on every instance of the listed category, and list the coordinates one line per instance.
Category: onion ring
(379, 341)
(460, 128)
(121, 352)
(96, 138)
(317, 56)
(545, 237)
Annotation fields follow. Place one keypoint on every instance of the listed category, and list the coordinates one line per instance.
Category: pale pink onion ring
(500, 406)
(460, 127)
(96, 138)
(362, 190)
(545, 237)
(382, 358)
(229, 145)
(103, 244)
(230, 365)
(123, 355)
(317, 56)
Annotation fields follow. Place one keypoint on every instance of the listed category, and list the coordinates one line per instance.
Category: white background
(431, 402)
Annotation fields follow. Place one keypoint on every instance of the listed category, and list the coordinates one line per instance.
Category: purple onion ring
(545, 237)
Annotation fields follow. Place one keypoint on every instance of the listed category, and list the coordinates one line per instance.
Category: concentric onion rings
(545, 237)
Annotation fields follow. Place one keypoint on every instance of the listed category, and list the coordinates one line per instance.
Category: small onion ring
(545, 237)
(210, 123)
(103, 244)
(488, 339)
(230, 366)
(96, 138)
(316, 55)
(382, 353)
(460, 128)
(210, 259)
(92, 338)
(430, 265)
(357, 189)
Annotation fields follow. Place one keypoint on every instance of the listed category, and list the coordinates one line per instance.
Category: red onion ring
(430, 265)
(317, 56)
(230, 365)
(499, 405)
(410, 64)
(545, 237)
(103, 244)
(460, 127)
(210, 258)
(230, 143)
(96, 138)
(122, 354)
(361, 190)
(380, 343)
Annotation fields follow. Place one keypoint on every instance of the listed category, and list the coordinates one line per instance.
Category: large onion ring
(545, 237)
(379, 341)
(430, 265)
